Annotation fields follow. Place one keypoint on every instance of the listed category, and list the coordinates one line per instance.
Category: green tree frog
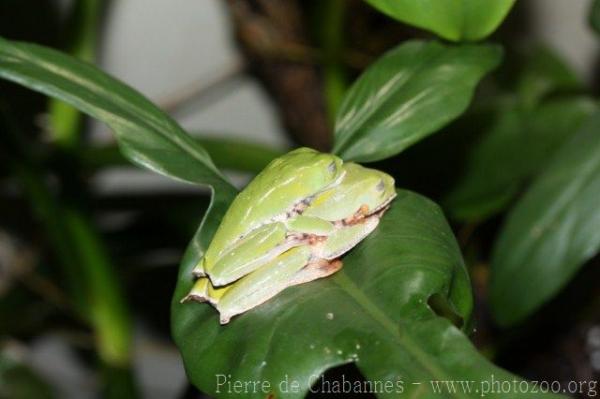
(298, 242)
(275, 194)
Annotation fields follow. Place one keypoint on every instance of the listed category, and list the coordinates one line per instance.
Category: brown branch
(271, 34)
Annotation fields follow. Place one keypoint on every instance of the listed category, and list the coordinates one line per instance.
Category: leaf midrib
(349, 287)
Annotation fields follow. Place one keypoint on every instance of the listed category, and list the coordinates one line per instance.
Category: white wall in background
(161, 47)
(563, 24)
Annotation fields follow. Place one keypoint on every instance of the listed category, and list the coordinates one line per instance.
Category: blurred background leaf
(66, 122)
(17, 381)
(543, 73)
(515, 148)
(551, 231)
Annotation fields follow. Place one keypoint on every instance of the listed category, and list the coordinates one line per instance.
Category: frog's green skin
(359, 193)
(254, 250)
(361, 187)
(290, 268)
(342, 215)
(272, 195)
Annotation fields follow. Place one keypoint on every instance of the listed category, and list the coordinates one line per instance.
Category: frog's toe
(199, 292)
(198, 270)
(346, 238)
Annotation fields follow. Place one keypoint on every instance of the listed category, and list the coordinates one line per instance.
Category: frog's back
(275, 191)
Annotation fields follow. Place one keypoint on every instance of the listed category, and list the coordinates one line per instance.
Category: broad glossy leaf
(450, 19)
(374, 312)
(409, 93)
(146, 135)
(517, 146)
(551, 232)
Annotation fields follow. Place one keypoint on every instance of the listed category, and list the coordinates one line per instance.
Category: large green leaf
(551, 232)
(409, 93)
(146, 135)
(450, 19)
(516, 147)
(374, 312)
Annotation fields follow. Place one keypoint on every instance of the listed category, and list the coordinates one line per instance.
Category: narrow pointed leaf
(551, 231)
(516, 147)
(146, 135)
(408, 94)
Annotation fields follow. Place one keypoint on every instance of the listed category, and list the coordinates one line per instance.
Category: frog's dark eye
(332, 167)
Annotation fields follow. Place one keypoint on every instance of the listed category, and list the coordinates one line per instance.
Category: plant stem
(45, 207)
(334, 73)
(107, 306)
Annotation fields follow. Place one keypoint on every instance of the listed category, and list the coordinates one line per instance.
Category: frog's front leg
(345, 238)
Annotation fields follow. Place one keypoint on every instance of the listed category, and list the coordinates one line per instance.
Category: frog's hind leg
(315, 270)
(262, 284)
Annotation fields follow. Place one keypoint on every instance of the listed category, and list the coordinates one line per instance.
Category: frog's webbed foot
(198, 270)
(199, 291)
(263, 284)
(203, 291)
(315, 270)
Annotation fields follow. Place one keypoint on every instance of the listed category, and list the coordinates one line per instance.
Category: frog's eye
(332, 167)
(380, 186)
